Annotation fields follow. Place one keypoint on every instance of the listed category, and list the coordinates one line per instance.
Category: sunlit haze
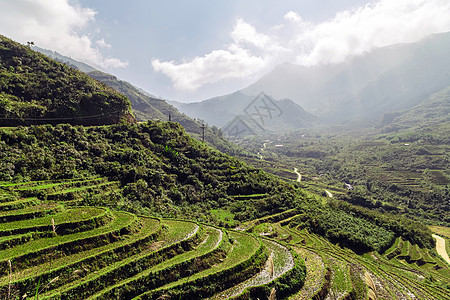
(193, 50)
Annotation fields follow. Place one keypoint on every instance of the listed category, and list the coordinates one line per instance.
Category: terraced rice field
(404, 271)
(49, 250)
(54, 250)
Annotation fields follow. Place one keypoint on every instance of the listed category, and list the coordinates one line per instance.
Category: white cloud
(352, 32)
(376, 25)
(55, 25)
(101, 43)
(235, 62)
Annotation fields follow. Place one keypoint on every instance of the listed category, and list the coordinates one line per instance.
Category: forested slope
(35, 89)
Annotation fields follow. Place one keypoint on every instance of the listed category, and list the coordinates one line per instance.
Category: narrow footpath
(299, 179)
(440, 248)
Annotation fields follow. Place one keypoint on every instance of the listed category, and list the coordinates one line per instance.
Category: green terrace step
(427, 257)
(316, 274)
(279, 263)
(248, 226)
(14, 240)
(245, 258)
(405, 250)
(76, 266)
(395, 249)
(415, 253)
(340, 278)
(6, 197)
(41, 210)
(206, 254)
(18, 204)
(44, 184)
(72, 193)
(53, 187)
(66, 222)
(179, 237)
(41, 250)
(40, 185)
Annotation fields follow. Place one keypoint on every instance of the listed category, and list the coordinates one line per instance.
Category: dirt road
(440, 248)
(299, 175)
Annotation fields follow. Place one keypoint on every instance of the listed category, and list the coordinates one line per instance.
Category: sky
(194, 50)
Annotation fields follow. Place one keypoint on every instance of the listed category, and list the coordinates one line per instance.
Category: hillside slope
(433, 111)
(35, 89)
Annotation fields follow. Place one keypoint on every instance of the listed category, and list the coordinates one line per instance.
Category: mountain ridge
(397, 77)
(262, 111)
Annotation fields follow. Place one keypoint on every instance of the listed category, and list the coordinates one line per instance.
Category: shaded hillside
(65, 60)
(35, 89)
(145, 107)
(148, 107)
(365, 87)
(433, 111)
(263, 113)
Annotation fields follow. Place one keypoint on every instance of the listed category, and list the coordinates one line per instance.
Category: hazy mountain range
(387, 79)
(261, 112)
(376, 88)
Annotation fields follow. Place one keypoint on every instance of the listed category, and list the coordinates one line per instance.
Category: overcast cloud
(251, 53)
(55, 25)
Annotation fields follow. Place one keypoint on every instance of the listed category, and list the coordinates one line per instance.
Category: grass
(112, 273)
(185, 262)
(243, 247)
(74, 215)
(441, 230)
(66, 266)
(39, 251)
(224, 216)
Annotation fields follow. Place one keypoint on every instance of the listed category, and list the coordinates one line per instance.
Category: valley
(113, 201)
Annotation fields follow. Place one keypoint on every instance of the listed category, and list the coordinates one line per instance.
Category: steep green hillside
(35, 89)
(146, 107)
(158, 169)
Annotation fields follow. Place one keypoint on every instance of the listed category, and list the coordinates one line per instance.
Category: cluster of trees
(403, 173)
(35, 89)
(152, 178)
(188, 185)
(360, 228)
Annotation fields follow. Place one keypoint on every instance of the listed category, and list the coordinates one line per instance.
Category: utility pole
(203, 129)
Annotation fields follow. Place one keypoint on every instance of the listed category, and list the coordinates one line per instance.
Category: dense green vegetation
(125, 255)
(152, 179)
(35, 89)
(332, 271)
(161, 171)
(404, 172)
(75, 204)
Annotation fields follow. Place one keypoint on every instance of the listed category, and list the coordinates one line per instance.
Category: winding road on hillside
(299, 179)
(262, 150)
(440, 248)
